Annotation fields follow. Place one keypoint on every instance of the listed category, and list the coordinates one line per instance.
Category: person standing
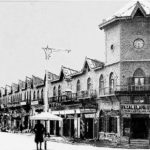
(39, 134)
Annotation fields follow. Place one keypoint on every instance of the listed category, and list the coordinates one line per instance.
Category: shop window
(112, 125)
(101, 124)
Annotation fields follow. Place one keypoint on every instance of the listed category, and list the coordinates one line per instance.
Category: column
(118, 126)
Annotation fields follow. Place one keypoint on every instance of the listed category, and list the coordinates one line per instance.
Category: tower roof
(129, 11)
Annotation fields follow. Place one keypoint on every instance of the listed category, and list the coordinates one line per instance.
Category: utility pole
(48, 51)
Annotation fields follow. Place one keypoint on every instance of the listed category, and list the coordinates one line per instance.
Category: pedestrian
(39, 134)
(21, 127)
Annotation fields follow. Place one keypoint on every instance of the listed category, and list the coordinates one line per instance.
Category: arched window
(111, 82)
(78, 86)
(38, 94)
(54, 91)
(139, 77)
(42, 94)
(89, 84)
(101, 85)
(30, 95)
(34, 95)
(59, 90)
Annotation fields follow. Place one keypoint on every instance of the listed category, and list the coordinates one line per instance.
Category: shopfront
(135, 120)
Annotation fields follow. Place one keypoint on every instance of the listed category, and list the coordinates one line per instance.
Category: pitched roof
(68, 71)
(129, 10)
(93, 63)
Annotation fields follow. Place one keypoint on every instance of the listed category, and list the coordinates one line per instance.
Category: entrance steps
(139, 143)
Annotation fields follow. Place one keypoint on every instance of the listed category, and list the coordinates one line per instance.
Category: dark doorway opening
(89, 128)
(52, 127)
(57, 128)
(139, 126)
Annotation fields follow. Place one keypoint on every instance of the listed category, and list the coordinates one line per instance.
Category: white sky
(26, 27)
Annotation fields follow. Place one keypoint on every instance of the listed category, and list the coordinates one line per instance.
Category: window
(139, 77)
(38, 94)
(34, 95)
(78, 87)
(59, 90)
(25, 96)
(101, 85)
(111, 82)
(54, 91)
(42, 94)
(89, 84)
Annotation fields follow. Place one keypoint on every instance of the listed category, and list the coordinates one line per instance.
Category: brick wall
(131, 30)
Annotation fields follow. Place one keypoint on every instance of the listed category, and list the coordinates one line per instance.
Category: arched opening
(101, 85)
(59, 90)
(54, 91)
(111, 82)
(139, 77)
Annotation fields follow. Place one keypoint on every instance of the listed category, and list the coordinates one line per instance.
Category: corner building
(128, 52)
(109, 100)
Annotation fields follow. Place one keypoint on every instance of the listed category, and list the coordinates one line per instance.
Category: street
(17, 141)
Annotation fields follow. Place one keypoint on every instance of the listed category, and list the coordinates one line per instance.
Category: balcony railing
(129, 88)
(63, 98)
(123, 88)
(87, 94)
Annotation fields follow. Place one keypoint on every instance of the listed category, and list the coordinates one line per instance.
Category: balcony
(131, 88)
(107, 91)
(87, 94)
(67, 98)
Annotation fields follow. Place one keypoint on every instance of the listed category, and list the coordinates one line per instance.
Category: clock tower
(127, 38)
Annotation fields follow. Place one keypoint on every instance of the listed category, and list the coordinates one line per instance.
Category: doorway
(89, 128)
(139, 126)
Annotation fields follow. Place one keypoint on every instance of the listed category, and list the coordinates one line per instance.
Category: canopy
(45, 116)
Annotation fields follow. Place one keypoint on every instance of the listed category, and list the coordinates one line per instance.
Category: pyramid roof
(128, 11)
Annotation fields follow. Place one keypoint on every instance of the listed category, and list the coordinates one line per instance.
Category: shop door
(89, 128)
(66, 127)
(72, 127)
(139, 127)
(57, 128)
(52, 127)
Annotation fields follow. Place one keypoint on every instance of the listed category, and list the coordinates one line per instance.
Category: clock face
(138, 43)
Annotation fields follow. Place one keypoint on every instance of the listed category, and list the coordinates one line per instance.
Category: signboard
(135, 108)
(22, 103)
(89, 115)
(34, 102)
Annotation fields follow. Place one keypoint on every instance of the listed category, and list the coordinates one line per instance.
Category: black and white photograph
(74, 74)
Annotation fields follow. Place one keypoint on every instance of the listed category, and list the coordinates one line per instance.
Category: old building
(104, 100)
(109, 100)
(127, 35)
(20, 101)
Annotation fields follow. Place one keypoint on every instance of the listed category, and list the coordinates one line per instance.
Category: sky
(28, 26)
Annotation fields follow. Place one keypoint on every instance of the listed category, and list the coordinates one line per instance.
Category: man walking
(39, 133)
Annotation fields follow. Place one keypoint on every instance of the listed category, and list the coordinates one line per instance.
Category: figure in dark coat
(39, 134)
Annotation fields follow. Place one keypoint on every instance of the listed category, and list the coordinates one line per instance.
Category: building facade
(104, 100)
(19, 101)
